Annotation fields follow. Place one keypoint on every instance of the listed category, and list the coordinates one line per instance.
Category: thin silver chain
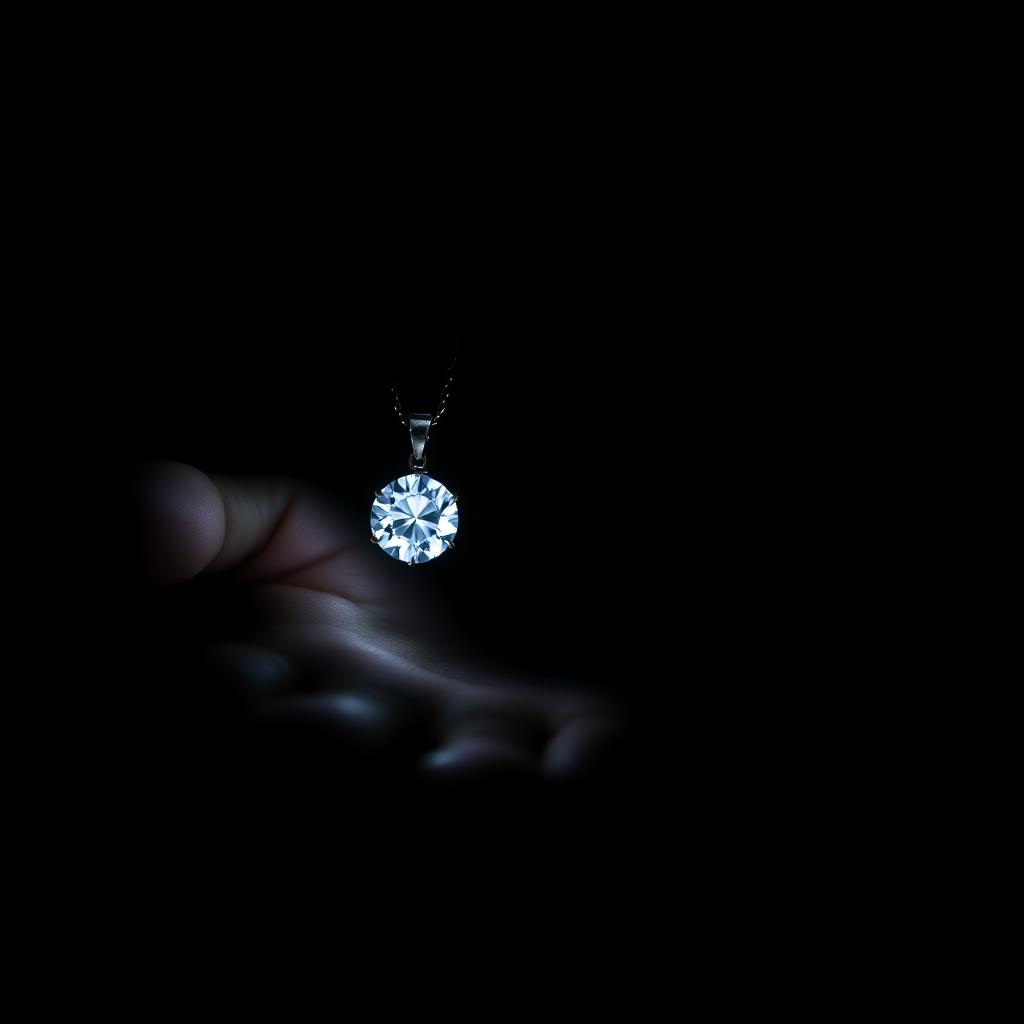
(442, 404)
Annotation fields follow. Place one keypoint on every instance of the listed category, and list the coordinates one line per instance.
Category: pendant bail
(419, 430)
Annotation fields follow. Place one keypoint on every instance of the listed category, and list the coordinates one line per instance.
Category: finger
(366, 719)
(581, 746)
(495, 715)
(251, 671)
(497, 735)
(183, 521)
(193, 523)
(481, 755)
(265, 529)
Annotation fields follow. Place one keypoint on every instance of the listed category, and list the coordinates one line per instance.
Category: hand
(343, 648)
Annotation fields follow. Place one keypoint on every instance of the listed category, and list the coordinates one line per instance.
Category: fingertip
(581, 746)
(362, 720)
(251, 670)
(476, 756)
(183, 521)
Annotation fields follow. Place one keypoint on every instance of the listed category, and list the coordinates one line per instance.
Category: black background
(614, 369)
(566, 438)
(229, 281)
(246, 314)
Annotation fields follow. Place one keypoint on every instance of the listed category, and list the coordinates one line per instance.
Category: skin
(343, 645)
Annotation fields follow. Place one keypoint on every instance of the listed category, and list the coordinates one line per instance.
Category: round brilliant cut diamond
(414, 518)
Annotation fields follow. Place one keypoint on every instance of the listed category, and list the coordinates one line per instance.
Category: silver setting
(419, 431)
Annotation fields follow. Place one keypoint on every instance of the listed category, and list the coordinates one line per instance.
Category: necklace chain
(442, 404)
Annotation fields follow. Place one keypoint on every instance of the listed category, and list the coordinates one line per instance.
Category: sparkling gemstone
(414, 518)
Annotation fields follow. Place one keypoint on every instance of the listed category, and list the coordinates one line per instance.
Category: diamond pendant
(415, 518)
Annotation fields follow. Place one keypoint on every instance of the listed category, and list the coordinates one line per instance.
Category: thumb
(193, 522)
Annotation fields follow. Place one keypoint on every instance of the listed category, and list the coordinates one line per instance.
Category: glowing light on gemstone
(414, 518)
